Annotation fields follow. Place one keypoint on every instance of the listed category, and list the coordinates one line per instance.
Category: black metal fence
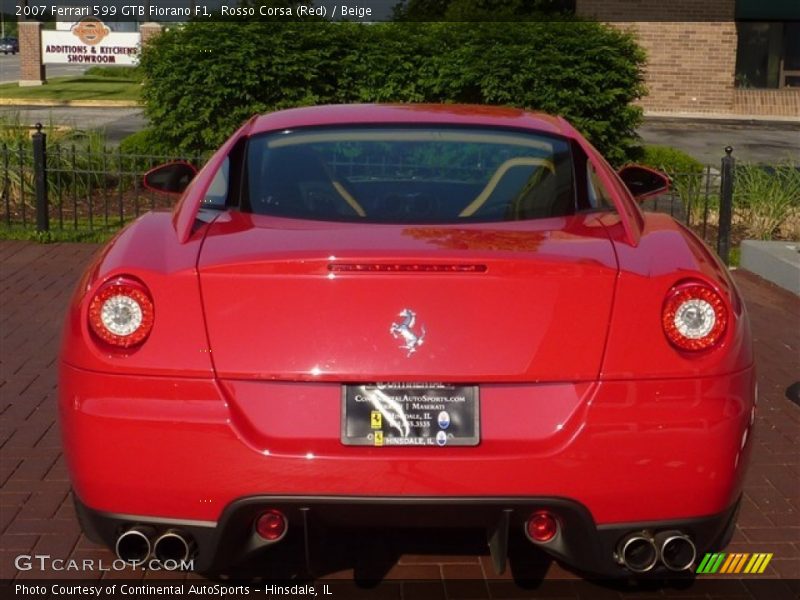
(72, 187)
(704, 202)
(68, 187)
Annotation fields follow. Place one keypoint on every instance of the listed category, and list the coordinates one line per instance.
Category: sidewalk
(36, 514)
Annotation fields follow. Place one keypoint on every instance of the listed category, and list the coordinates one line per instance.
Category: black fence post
(40, 179)
(726, 205)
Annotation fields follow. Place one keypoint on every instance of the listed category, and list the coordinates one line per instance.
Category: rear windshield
(409, 175)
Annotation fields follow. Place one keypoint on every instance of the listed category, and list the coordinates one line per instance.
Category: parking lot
(9, 69)
(37, 517)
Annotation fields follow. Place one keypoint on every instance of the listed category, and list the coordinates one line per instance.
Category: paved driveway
(36, 515)
(117, 123)
(753, 142)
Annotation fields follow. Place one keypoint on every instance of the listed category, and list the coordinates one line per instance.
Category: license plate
(407, 414)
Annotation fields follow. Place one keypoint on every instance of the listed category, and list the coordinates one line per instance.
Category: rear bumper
(231, 541)
(648, 451)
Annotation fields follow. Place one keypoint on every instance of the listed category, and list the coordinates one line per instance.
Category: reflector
(542, 526)
(271, 525)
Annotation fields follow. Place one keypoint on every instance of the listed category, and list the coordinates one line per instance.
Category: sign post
(31, 69)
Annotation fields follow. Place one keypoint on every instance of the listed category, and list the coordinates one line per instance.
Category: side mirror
(170, 178)
(644, 182)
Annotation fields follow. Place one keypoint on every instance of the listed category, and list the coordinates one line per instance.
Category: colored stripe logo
(734, 563)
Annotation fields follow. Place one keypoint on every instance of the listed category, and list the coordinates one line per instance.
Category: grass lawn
(56, 235)
(61, 89)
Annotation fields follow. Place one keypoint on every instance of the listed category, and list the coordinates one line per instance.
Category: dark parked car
(9, 44)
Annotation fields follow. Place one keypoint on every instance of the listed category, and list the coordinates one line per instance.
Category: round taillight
(542, 526)
(121, 312)
(694, 316)
(271, 525)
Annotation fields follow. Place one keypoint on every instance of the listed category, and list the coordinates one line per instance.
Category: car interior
(314, 181)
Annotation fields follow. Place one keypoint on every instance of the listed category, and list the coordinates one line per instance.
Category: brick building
(737, 57)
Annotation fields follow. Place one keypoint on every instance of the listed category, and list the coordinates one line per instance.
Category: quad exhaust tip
(135, 544)
(638, 552)
(173, 545)
(677, 551)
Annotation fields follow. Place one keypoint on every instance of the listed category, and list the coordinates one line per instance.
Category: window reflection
(768, 54)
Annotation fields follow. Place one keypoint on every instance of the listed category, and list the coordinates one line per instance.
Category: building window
(768, 51)
(768, 54)
(791, 57)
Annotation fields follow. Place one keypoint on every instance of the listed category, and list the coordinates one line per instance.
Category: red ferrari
(423, 316)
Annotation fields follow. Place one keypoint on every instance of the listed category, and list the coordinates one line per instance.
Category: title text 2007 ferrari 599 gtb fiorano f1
(428, 316)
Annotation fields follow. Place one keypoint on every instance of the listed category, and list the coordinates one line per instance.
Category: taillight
(694, 316)
(121, 312)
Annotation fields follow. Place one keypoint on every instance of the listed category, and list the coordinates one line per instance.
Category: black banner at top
(178, 11)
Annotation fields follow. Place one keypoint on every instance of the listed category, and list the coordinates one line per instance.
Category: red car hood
(299, 300)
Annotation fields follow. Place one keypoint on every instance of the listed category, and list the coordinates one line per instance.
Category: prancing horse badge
(405, 330)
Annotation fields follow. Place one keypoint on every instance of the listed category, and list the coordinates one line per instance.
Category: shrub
(670, 160)
(686, 173)
(767, 200)
(143, 143)
(202, 80)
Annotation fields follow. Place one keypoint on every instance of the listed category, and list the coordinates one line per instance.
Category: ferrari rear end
(423, 317)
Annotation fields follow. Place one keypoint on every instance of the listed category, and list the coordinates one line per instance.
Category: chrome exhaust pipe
(677, 551)
(173, 545)
(134, 545)
(638, 552)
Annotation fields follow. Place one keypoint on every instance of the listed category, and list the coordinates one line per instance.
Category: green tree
(202, 80)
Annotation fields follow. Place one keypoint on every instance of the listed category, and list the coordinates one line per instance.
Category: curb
(77, 103)
(722, 119)
(778, 262)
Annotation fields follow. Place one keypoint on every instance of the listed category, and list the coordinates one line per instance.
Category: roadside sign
(90, 42)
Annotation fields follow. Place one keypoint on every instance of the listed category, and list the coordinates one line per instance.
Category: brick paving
(37, 517)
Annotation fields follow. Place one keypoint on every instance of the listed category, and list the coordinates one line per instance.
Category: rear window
(409, 175)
